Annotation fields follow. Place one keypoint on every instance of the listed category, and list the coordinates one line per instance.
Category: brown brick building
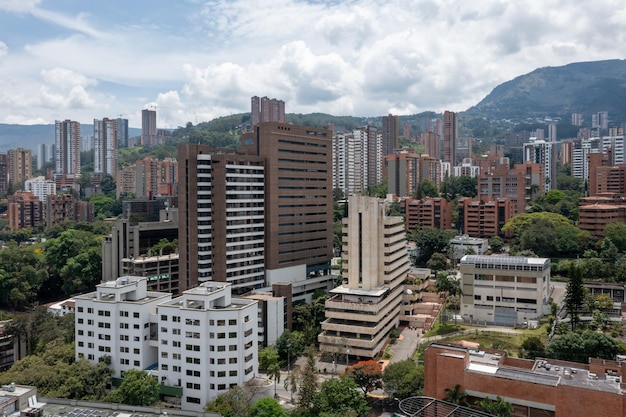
(514, 183)
(61, 207)
(604, 178)
(483, 218)
(428, 213)
(536, 388)
(24, 210)
(595, 212)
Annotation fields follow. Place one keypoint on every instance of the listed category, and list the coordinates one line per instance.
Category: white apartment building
(541, 152)
(115, 320)
(207, 342)
(203, 342)
(362, 311)
(41, 187)
(504, 290)
(358, 160)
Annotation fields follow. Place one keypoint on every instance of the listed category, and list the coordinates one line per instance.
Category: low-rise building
(504, 290)
(466, 245)
(541, 387)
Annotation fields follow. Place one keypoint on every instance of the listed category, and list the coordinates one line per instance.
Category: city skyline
(194, 61)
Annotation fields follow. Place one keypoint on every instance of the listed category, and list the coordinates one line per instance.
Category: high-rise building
(122, 132)
(20, 165)
(483, 218)
(221, 217)
(24, 210)
(577, 119)
(428, 213)
(552, 137)
(366, 307)
(105, 147)
(450, 136)
(265, 109)
(67, 148)
(403, 173)
(539, 151)
(431, 143)
(148, 127)
(41, 187)
(4, 173)
(64, 207)
(298, 202)
(600, 121)
(389, 134)
(517, 184)
(357, 160)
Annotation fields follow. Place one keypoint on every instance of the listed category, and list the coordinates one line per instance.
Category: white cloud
(65, 78)
(4, 49)
(19, 6)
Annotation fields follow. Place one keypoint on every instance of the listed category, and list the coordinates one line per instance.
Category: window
(176, 319)
(136, 326)
(136, 315)
(246, 319)
(80, 321)
(232, 360)
(136, 351)
(221, 322)
(123, 313)
(233, 335)
(477, 297)
(221, 335)
(80, 309)
(163, 317)
(221, 374)
(90, 310)
(490, 298)
(232, 348)
(221, 361)
(232, 373)
(232, 322)
(164, 367)
(193, 400)
(136, 363)
(123, 325)
(221, 348)
(80, 332)
(90, 322)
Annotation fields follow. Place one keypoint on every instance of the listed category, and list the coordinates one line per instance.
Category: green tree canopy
(616, 232)
(137, 388)
(517, 224)
(574, 294)
(577, 347)
(532, 347)
(266, 407)
(496, 243)
(340, 396)
(236, 402)
(403, 379)
(22, 274)
(430, 241)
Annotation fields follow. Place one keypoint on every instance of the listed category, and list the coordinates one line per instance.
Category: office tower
(450, 136)
(264, 109)
(366, 307)
(20, 165)
(105, 147)
(298, 203)
(122, 132)
(389, 134)
(67, 148)
(4, 173)
(148, 127)
(539, 151)
(221, 217)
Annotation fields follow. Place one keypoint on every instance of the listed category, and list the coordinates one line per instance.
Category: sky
(195, 60)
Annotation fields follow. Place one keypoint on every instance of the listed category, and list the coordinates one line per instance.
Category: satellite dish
(409, 292)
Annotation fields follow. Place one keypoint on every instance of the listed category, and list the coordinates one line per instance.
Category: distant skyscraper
(67, 148)
(20, 165)
(105, 147)
(122, 132)
(357, 160)
(577, 119)
(44, 154)
(4, 174)
(264, 109)
(600, 120)
(148, 127)
(539, 151)
(450, 136)
(390, 134)
(552, 132)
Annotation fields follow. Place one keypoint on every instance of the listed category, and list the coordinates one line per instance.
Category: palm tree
(455, 395)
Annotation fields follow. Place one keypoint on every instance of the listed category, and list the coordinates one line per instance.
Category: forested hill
(583, 87)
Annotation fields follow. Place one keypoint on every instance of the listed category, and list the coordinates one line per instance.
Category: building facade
(221, 217)
(24, 210)
(298, 204)
(519, 184)
(149, 127)
(483, 218)
(207, 342)
(20, 165)
(41, 187)
(450, 136)
(427, 213)
(105, 146)
(389, 134)
(263, 109)
(366, 307)
(67, 148)
(504, 290)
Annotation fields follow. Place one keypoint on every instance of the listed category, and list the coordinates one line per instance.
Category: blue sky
(196, 60)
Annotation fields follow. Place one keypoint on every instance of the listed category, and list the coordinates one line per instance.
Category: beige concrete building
(362, 311)
(504, 290)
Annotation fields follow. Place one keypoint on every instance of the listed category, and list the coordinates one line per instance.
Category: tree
(235, 402)
(496, 243)
(438, 262)
(403, 379)
(497, 407)
(455, 395)
(574, 295)
(268, 360)
(430, 241)
(307, 384)
(22, 274)
(137, 388)
(577, 347)
(428, 188)
(340, 396)
(616, 232)
(266, 407)
(290, 345)
(107, 185)
(366, 374)
(532, 347)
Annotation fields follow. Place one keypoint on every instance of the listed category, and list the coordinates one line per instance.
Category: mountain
(583, 87)
(29, 136)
